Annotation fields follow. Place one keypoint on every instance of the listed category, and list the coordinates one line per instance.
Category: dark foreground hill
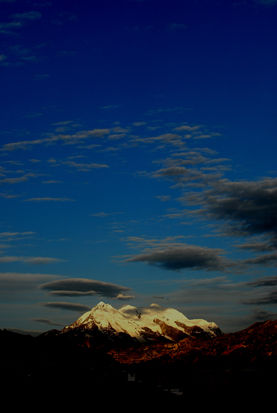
(209, 372)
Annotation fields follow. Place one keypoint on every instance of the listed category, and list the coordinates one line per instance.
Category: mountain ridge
(153, 323)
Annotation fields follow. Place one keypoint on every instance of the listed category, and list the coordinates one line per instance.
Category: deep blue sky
(138, 157)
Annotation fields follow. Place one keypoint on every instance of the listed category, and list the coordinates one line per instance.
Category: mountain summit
(146, 324)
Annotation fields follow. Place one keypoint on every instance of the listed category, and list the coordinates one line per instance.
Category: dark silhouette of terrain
(77, 369)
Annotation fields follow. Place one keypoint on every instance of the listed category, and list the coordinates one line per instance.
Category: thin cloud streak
(64, 138)
(67, 306)
(30, 260)
(49, 199)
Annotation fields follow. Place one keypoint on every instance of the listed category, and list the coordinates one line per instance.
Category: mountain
(148, 358)
(151, 324)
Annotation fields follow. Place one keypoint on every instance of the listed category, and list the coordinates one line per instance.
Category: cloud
(85, 167)
(139, 123)
(266, 259)
(264, 282)
(12, 146)
(47, 321)
(109, 107)
(266, 2)
(173, 171)
(248, 208)
(257, 246)
(19, 55)
(166, 242)
(267, 298)
(166, 138)
(185, 256)
(30, 15)
(177, 26)
(191, 167)
(163, 198)
(3, 58)
(103, 214)
(49, 199)
(52, 181)
(29, 260)
(8, 196)
(187, 128)
(262, 315)
(181, 175)
(18, 21)
(121, 296)
(83, 286)
(68, 139)
(16, 235)
(66, 293)
(67, 306)
(19, 179)
(18, 282)
(8, 27)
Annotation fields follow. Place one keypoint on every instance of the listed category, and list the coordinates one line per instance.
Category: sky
(138, 159)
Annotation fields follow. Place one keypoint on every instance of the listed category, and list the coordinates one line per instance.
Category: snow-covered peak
(138, 322)
(102, 306)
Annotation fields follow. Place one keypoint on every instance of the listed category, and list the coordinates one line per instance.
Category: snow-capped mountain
(147, 324)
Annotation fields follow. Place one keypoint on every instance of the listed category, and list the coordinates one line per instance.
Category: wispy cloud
(54, 138)
(267, 293)
(48, 322)
(177, 26)
(85, 167)
(265, 260)
(8, 196)
(187, 128)
(49, 199)
(166, 138)
(15, 235)
(18, 179)
(270, 281)
(3, 58)
(18, 281)
(29, 260)
(110, 107)
(103, 214)
(163, 198)
(18, 21)
(8, 27)
(264, 299)
(266, 2)
(61, 305)
(257, 246)
(30, 15)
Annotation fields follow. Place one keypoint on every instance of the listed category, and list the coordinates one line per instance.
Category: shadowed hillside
(70, 369)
